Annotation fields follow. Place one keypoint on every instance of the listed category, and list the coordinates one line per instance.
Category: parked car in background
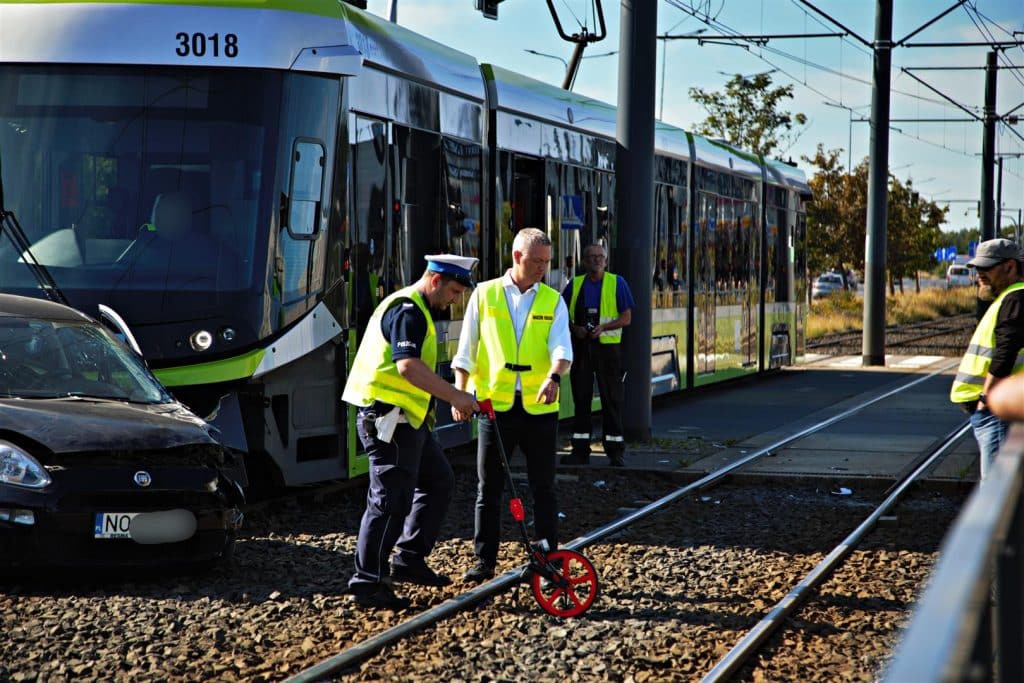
(825, 284)
(959, 276)
(99, 465)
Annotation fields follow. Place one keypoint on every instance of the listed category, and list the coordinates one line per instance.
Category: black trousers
(536, 436)
(593, 359)
(411, 484)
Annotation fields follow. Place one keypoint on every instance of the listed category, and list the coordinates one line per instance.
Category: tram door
(705, 286)
(369, 218)
(747, 276)
(528, 206)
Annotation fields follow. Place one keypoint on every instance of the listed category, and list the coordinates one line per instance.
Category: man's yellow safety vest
(970, 377)
(609, 310)
(500, 358)
(375, 376)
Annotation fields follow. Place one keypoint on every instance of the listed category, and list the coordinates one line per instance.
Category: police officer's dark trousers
(411, 484)
(593, 359)
(535, 435)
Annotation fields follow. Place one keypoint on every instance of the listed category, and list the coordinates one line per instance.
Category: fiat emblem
(143, 479)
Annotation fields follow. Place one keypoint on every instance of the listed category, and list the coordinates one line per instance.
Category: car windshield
(830, 279)
(56, 359)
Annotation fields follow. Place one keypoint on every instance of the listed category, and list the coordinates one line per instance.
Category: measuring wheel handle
(572, 587)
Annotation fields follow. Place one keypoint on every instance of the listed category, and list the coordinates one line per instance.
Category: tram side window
(307, 183)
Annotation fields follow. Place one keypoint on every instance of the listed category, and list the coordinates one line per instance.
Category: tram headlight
(201, 340)
(227, 334)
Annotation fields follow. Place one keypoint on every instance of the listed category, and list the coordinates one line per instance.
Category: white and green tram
(242, 181)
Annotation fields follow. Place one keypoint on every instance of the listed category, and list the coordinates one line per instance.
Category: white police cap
(460, 267)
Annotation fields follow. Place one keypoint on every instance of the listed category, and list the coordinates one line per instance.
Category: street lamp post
(849, 137)
(664, 38)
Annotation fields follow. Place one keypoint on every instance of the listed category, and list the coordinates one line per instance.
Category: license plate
(113, 524)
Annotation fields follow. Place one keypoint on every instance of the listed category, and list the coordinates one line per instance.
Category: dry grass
(844, 312)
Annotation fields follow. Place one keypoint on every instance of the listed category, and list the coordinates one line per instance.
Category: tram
(242, 182)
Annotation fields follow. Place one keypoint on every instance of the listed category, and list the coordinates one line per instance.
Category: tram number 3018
(196, 45)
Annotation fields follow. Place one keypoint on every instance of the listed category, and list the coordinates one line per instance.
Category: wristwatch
(555, 377)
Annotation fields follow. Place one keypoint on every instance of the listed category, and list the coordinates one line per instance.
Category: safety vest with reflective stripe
(500, 358)
(375, 376)
(609, 310)
(970, 377)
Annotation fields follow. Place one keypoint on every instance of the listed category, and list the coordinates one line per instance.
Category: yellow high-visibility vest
(609, 310)
(970, 377)
(500, 358)
(375, 377)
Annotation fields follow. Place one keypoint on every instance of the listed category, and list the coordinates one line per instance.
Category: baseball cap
(993, 252)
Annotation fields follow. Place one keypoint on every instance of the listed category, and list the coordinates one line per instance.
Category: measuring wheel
(571, 590)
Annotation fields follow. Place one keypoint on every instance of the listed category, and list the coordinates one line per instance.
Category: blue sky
(943, 159)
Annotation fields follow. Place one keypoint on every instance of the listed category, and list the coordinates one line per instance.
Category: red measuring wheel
(572, 589)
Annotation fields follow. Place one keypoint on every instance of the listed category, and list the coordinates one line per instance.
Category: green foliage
(837, 220)
(747, 114)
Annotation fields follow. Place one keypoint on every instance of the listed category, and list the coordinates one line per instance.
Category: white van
(959, 276)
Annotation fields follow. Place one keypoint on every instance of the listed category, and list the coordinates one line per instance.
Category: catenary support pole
(999, 197)
(878, 188)
(634, 201)
(988, 151)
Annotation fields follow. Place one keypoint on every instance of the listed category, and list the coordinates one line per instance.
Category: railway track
(748, 646)
(681, 584)
(949, 335)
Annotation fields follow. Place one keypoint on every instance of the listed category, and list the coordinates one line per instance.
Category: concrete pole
(634, 200)
(878, 189)
(999, 198)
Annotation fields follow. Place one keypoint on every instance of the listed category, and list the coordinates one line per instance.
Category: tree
(747, 114)
(836, 216)
(912, 233)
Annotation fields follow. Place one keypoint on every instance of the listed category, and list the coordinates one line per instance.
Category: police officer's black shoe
(378, 596)
(616, 460)
(479, 573)
(419, 574)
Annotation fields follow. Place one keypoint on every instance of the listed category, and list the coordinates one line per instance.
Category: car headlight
(18, 468)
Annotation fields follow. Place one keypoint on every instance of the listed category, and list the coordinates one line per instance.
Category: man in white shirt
(514, 348)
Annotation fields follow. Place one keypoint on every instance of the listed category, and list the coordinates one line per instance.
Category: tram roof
(272, 34)
(545, 102)
(671, 141)
(781, 173)
(720, 155)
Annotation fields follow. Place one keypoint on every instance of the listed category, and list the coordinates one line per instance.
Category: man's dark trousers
(593, 359)
(536, 437)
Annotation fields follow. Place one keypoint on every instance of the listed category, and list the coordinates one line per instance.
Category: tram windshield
(139, 187)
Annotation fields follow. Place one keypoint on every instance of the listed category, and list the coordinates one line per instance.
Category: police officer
(600, 305)
(514, 349)
(392, 382)
(997, 348)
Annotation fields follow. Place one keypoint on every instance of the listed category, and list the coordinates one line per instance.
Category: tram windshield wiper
(9, 226)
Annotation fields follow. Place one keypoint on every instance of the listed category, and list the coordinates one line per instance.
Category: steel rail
(775, 619)
(357, 653)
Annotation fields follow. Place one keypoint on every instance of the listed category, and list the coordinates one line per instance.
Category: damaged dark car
(99, 466)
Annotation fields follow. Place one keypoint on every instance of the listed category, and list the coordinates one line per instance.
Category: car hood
(82, 424)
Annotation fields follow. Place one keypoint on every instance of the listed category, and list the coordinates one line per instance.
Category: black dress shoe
(479, 573)
(421, 575)
(378, 596)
